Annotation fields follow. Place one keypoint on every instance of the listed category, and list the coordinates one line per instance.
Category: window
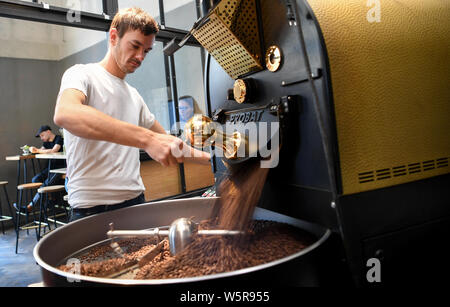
(150, 81)
(180, 14)
(151, 7)
(189, 71)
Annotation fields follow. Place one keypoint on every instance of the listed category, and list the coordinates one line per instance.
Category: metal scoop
(180, 233)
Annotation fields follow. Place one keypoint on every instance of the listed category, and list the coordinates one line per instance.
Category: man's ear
(113, 36)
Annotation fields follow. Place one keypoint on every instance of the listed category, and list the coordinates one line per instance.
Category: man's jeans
(76, 214)
(53, 179)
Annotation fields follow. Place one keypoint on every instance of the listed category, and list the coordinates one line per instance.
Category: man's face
(130, 50)
(45, 136)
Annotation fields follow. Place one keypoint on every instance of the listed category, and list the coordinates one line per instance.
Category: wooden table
(58, 156)
(50, 157)
(19, 159)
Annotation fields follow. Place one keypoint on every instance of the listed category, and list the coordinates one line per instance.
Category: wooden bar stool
(44, 204)
(28, 187)
(4, 218)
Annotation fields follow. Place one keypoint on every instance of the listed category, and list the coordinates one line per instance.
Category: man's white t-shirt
(103, 173)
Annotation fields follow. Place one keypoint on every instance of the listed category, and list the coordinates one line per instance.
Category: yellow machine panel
(390, 76)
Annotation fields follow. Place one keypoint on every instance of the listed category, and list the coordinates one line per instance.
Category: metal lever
(173, 46)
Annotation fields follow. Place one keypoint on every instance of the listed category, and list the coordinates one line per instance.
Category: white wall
(29, 40)
(32, 40)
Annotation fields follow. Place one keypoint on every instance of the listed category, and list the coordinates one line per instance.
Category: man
(107, 122)
(51, 144)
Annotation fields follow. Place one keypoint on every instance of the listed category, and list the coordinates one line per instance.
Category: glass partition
(150, 81)
(151, 7)
(180, 14)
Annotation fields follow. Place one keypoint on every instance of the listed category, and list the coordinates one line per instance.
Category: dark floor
(18, 270)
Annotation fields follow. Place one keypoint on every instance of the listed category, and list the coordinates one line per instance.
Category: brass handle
(202, 132)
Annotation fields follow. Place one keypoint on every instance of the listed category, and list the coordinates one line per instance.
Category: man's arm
(87, 122)
(43, 150)
(189, 153)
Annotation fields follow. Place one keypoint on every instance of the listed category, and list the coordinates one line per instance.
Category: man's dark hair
(134, 19)
(42, 129)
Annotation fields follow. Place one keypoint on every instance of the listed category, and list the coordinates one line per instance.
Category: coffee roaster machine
(361, 94)
(353, 102)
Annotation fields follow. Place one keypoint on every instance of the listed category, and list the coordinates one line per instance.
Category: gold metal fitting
(202, 132)
(240, 91)
(273, 58)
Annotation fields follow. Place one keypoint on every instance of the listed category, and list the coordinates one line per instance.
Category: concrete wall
(27, 99)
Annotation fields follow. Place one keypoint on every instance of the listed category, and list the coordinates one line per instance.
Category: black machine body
(387, 224)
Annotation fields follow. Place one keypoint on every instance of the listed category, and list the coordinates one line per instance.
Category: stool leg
(18, 220)
(27, 215)
(33, 210)
(9, 206)
(25, 171)
(40, 217)
(18, 180)
(54, 214)
(46, 211)
(1, 214)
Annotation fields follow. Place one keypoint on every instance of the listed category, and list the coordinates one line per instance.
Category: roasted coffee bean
(206, 255)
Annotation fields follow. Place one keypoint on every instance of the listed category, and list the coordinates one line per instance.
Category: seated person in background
(51, 144)
(186, 112)
(186, 109)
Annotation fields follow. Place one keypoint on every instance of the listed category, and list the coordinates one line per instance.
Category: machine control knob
(243, 90)
(274, 58)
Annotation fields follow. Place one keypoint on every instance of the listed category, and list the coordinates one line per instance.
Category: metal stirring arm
(165, 233)
(137, 233)
(180, 234)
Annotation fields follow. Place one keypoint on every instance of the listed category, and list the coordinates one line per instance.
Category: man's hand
(34, 149)
(169, 151)
(160, 148)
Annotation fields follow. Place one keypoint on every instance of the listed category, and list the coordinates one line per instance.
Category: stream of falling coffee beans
(239, 194)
